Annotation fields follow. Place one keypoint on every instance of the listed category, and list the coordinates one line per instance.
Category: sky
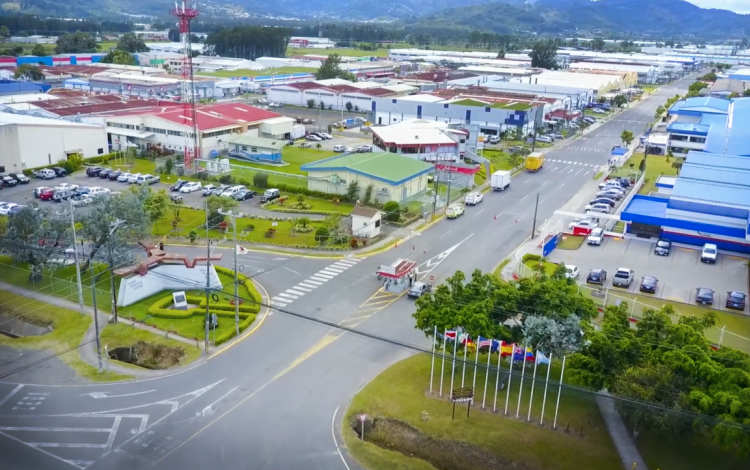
(737, 6)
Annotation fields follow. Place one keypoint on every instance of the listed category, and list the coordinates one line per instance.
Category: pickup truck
(623, 277)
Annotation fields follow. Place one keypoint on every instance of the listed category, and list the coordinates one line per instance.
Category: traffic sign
(362, 418)
(432, 278)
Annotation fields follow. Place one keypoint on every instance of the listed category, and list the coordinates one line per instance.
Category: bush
(530, 257)
(392, 211)
(192, 236)
(260, 180)
(226, 179)
(353, 243)
(321, 235)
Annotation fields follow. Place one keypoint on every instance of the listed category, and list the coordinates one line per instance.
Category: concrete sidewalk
(629, 454)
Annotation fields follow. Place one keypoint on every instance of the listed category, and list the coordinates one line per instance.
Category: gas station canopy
(397, 269)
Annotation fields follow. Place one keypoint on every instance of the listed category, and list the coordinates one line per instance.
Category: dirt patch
(147, 355)
(443, 454)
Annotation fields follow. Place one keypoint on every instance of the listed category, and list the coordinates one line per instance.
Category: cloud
(737, 6)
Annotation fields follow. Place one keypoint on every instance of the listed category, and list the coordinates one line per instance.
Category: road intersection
(275, 400)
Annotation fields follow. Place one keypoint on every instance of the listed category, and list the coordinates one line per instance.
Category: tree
(168, 166)
(330, 69)
(156, 205)
(118, 57)
(311, 103)
(260, 180)
(36, 237)
(216, 204)
(627, 137)
(352, 191)
(501, 54)
(4, 33)
(98, 221)
(392, 211)
(515, 160)
(321, 235)
(642, 165)
(76, 43)
(130, 42)
(620, 100)
(368, 194)
(29, 73)
(544, 55)
(193, 235)
(318, 146)
(659, 111)
(349, 106)
(746, 93)
(174, 35)
(38, 50)
(552, 336)
(597, 44)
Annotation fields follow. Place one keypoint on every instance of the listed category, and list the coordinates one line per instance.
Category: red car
(47, 194)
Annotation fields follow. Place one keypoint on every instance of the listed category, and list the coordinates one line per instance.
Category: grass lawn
(549, 268)
(259, 73)
(316, 205)
(401, 393)
(294, 156)
(570, 242)
(69, 328)
(656, 165)
(124, 335)
(499, 161)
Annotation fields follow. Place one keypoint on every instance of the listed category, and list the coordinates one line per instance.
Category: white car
(473, 199)
(5, 207)
(709, 253)
(544, 138)
(610, 184)
(339, 148)
(190, 187)
(132, 179)
(68, 186)
(571, 272)
(585, 223)
(602, 208)
(599, 111)
(348, 149)
(123, 178)
(313, 138)
(595, 237)
(325, 135)
(82, 201)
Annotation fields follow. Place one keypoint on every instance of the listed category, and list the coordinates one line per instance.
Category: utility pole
(113, 228)
(77, 261)
(450, 180)
(435, 188)
(208, 276)
(233, 219)
(96, 318)
(536, 208)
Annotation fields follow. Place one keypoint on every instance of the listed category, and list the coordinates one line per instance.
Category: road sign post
(362, 418)
(462, 395)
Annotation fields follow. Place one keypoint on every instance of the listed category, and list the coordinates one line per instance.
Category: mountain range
(656, 18)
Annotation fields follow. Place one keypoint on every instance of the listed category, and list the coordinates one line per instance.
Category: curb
(236, 340)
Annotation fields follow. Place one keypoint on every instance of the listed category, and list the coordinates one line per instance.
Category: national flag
(484, 343)
(541, 358)
(241, 250)
(464, 339)
(451, 335)
(518, 353)
(529, 354)
(496, 345)
(506, 349)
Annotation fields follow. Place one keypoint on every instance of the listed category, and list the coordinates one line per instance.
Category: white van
(229, 192)
(339, 148)
(473, 199)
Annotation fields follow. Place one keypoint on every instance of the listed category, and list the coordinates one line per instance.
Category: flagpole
(476, 362)
(487, 377)
(546, 383)
(559, 392)
(463, 367)
(442, 367)
(520, 389)
(453, 366)
(432, 366)
(497, 379)
(510, 376)
(533, 383)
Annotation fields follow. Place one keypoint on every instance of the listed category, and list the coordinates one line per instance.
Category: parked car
(589, 120)
(113, 175)
(609, 183)
(325, 135)
(649, 284)
(623, 277)
(583, 224)
(45, 174)
(313, 138)
(364, 148)
(219, 190)
(596, 276)
(495, 139)
(603, 200)
(244, 195)
(177, 185)
(62, 194)
(84, 190)
(454, 211)
(709, 253)
(624, 182)
(515, 149)
(93, 171)
(663, 247)
(82, 200)
(736, 300)
(176, 198)
(270, 195)
(123, 178)
(97, 192)
(610, 194)
(133, 178)
(232, 190)
(599, 208)
(68, 186)
(704, 296)
(20, 177)
(5, 207)
(59, 171)
(38, 191)
(15, 210)
(472, 199)
(571, 272)
(190, 187)
(151, 179)
(595, 237)
(105, 173)
(599, 111)
(46, 194)
(207, 189)
(544, 138)
(558, 136)
(304, 145)
(418, 289)
(8, 181)
(348, 149)
(338, 148)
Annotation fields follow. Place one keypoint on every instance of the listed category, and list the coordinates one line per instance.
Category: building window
(244, 148)
(393, 101)
(445, 106)
(377, 223)
(253, 149)
(100, 151)
(486, 109)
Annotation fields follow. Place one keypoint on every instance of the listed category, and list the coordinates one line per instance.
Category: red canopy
(400, 268)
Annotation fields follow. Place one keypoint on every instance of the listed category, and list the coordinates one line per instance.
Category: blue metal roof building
(700, 105)
(15, 87)
(732, 138)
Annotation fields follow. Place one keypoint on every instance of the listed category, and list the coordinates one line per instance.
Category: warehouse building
(424, 140)
(334, 93)
(31, 142)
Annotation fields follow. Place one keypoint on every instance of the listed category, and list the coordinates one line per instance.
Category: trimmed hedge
(270, 206)
(530, 256)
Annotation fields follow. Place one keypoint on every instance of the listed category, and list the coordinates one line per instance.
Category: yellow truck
(535, 161)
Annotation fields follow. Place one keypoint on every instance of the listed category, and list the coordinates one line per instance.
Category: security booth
(395, 276)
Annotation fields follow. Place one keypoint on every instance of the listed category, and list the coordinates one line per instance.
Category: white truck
(500, 180)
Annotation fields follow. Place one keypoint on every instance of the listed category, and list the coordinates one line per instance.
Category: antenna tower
(185, 14)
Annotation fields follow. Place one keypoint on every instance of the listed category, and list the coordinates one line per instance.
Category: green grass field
(400, 392)
(259, 73)
(656, 165)
(294, 156)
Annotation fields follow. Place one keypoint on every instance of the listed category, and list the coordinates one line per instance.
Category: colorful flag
(529, 354)
(451, 335)
(541, 358)
(463, 338)
(484, 343)
(496, 345)
(518, 353)
(506, 349)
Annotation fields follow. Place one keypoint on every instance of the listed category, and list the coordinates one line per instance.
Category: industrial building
(709, 202)
(691, 120)
(334, 93)
(420, 139)
(31, 142)
(311, 42)
(255, 149)
(70, 104)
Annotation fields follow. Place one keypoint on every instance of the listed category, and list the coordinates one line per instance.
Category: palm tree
(318, 146)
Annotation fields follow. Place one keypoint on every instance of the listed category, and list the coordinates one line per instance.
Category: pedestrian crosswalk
(586, 149)
(313, 282)
(570, 163)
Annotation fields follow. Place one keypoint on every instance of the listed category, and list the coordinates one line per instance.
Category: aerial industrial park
(231, 240)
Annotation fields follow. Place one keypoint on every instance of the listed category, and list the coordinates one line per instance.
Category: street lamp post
(113, 228)
(75, 253)
(233, 219)
(412, 233)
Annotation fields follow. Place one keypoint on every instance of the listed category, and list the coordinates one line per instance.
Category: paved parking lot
(679, 274)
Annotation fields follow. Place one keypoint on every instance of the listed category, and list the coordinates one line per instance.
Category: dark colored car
(15, 210)
(736, 300)
(93, 171)
(219, 190)
(704, 296)
(59, 171)
(596, 276)
(177, 185)
(8, 181)
(105, 173)
(603, 200)
(625, 182)
(20, 177)
(46, 194)
(649, 284)
(244, 195)
(38, 191)
(114, 174)
(418, 289)
(663, 247)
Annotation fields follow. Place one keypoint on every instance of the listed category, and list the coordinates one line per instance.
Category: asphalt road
(275, 399)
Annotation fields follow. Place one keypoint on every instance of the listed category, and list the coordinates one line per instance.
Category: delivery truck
(535, 161)
(500, 180)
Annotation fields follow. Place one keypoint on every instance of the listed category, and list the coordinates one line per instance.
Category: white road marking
(478, 212)
(293, 297)
(544, 183)
(299, 287)
(542, 200)
(562, 185)
(8, 396)
(528, 181)
(524, 197)
(295, 292)
(571, 170)
(113, 433)
(446, 233)
(36, 429)
(325, 276)
(99, 395)
(520, 218)
(292, 270)
(314, 283)
(331, 272)
(333, 433)
(579, 172)
(335, 270)
(42, 450)
(309, 284)
(280, 304)
(321, 279)
(67, 445)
